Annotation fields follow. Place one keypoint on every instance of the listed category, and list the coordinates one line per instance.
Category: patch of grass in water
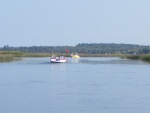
(139, 57)
(6, 58)
(146, 58)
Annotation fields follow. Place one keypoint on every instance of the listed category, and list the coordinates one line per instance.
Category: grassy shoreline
(7, 56)
(139, 57)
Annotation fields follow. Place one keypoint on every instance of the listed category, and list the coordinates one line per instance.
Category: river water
(85, 85)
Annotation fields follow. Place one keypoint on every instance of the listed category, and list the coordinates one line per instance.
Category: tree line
(84, 48)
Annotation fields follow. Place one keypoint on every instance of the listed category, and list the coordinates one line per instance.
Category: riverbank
(7, 56)
(139, 57)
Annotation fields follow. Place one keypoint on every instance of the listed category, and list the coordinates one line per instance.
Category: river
(85, 85)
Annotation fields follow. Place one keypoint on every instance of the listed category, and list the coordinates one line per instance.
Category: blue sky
(69, 22)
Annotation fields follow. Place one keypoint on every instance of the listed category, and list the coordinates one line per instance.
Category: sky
(70, 22)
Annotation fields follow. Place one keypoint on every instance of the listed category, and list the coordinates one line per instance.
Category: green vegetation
(13, 53)
(6, 58)
(139, 57)
(84, 48)
(130, 51)
(35, 55)
(146, 58)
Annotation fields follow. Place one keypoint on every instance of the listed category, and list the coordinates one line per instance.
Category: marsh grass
(134, 57)
(14, 53)
(35, 55)
(139, 57)
(103, 55)
(146, 58)
(6, 58)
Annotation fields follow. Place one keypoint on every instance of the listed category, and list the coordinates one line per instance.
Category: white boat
(75, 55)
(55, 59)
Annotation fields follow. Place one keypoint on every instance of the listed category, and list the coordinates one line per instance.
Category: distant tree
(85, 48)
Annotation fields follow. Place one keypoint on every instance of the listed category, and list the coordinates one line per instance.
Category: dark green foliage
(146, 58)
(139, 57)
(135, 57)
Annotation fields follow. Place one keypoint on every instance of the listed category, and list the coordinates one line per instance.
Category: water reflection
(58, 66)
(75, 60)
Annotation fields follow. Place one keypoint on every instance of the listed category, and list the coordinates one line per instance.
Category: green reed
(139, 57)
(6, 58)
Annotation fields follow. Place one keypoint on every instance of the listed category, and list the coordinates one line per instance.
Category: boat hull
(58, 60)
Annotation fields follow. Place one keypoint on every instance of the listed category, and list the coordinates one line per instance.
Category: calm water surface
(87, 85)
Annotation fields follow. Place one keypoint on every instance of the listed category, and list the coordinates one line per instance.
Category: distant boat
(55, 59)
(75, 55)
